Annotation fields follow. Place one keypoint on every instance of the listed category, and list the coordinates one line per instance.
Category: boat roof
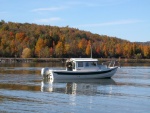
(83, 59)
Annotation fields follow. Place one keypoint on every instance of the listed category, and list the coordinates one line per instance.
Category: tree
(45, 52)
(73, 49)
(26, 53)
(39, 47)
(118, 50)
(98, 50)
(146, 51)
(62, 39)
(51, 51)
(105, 50)
(20, 36)
(82, 46)
(58, 49)
(88, 48)
(45, 41)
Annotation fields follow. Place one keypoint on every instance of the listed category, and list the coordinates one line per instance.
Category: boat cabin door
(69, 66)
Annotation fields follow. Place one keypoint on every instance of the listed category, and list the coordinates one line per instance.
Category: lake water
(23, 90)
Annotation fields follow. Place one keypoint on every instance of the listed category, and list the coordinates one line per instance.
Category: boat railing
(111, 63)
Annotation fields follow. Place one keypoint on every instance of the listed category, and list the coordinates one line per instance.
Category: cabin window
(87, 64)
(80, 64)
(93, 64)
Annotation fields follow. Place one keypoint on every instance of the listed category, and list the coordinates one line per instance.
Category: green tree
(45, 52)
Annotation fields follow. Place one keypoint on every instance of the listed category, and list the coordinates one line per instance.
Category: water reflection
(33, 64)
(13, 86)
(77, 87)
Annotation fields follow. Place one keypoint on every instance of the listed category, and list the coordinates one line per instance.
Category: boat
(81, 68)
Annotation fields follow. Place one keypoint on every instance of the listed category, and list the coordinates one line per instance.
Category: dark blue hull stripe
(83, 73)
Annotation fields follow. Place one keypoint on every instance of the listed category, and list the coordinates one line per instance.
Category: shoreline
(121, 60)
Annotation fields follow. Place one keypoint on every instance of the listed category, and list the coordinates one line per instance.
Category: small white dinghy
(81, 68)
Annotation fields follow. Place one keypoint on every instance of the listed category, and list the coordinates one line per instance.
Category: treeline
(44, 41)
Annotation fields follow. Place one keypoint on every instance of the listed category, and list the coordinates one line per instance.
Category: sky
(124, 19)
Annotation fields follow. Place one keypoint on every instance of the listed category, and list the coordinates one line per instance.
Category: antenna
(91, 50)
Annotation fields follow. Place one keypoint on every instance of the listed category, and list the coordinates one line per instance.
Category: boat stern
(47, 73)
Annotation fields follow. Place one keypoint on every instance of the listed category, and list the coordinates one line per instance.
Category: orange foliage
(45, 41)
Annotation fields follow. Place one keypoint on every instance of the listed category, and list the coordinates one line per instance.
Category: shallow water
(22, 89)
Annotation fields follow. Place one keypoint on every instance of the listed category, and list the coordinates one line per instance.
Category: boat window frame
(80, 64)
(91, 64)
(73, 65)
(87, 64)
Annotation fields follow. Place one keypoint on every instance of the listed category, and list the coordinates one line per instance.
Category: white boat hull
(64, 74)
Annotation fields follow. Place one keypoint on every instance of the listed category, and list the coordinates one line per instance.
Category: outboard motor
(46, 73)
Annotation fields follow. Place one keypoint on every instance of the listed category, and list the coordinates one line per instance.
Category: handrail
(112, 63)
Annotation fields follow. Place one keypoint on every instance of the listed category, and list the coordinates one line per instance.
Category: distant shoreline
(32, 59)
(121, 60)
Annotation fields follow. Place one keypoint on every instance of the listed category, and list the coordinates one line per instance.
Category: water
(22, 89)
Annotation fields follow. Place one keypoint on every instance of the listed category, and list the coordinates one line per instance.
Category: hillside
(144, 43)
(43, 41)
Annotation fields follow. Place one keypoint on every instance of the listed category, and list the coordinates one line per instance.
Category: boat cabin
(82, 64)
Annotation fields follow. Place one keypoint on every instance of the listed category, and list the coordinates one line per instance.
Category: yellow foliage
(26, 53)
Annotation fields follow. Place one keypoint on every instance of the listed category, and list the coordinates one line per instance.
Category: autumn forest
(45, 41)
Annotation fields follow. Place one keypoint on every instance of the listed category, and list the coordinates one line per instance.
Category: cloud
(120, 22)
(96, 3)
(48, 9)
(82, 4)
(48, 20)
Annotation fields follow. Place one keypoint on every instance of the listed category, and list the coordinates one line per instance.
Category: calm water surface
(22, 90)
